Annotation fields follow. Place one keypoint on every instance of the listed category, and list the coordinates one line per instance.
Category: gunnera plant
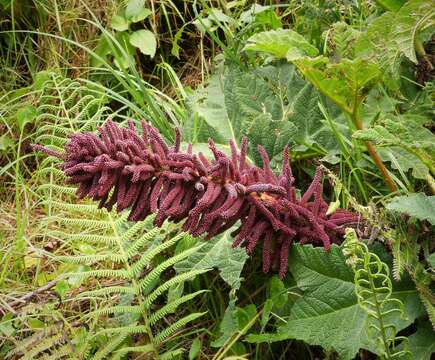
(148, 176)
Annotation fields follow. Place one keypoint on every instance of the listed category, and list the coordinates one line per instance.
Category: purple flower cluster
(148, 176)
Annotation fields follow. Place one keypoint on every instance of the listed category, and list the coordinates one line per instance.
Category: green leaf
(413, 25)
(417, 205)
(422, 343)
(5, 142)
(281, 43)
(228, 326)
(431, 260)
(278, 292)
(407, 132)
(346, 83)
(328, 313)
(145, 41)
(391, 5)
(274, 106)
(195, 349)
(35, 323)
(62, 288)
(136, 11)
(217, 253)
(6, 324)
(119, 23)
(245, 315)
(209, 104)
(26, 115)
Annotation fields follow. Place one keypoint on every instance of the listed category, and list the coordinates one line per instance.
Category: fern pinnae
(89, 209)
(133, 230)
(103, 353)
(59, 353)
(103, 273)
(144, 349)
(50, 170)
(52, 139)
(139, 243)
(91, 259)
(156, 272)
(189, 275)
(178, 325)
(84, 223)
(86, 238)
(117, 309)
(68, 190)
(125, 330)
(107, 291)
(172, 306)
(46, 344)
(146, 258)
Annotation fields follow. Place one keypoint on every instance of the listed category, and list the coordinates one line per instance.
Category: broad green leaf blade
(217, 253)
(417, 205)
(209, 104)
(135, 11)
(408, 133)
(145, 41)
(274, 106)
(404, 161)
(281, 43)
(119, 23)
(328, 313)
(346, 83)
(422, 343)
(391, 5)
(414, 24)
(25, 115)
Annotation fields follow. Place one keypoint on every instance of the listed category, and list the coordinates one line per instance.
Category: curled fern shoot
(373, 289)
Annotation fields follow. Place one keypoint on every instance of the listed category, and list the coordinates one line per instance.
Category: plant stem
(379, 315)
(375, 156)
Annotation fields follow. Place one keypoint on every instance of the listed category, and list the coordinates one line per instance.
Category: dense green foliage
(347, 84)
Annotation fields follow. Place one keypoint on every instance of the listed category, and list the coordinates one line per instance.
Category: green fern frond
(175, 327)
(46, 344)
(103, 273)
(50, 170)
(90, 259)
(85, 223)
(137, 267)
(145, 349)
(86, 238)
(106, 291)
(172, 354)
(133, 230)
(110, 347)
(189, 275)
(124, 330)
(118, 309)
(68, 190)
(139, 243)
(145, 283)
(87, 208)
(373, 289)
(172, 307)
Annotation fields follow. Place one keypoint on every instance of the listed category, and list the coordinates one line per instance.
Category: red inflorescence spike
(146, 175)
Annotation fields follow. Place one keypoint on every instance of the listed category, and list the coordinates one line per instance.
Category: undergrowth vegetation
(343, 91)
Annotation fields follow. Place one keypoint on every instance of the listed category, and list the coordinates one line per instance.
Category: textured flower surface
(148, 176)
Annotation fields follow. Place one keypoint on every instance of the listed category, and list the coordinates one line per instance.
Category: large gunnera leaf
(417, 205)
(328, 313)
(217, 253)
(271, 105)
